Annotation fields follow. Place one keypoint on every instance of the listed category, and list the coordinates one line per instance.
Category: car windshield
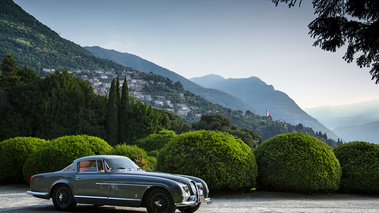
(120, 163)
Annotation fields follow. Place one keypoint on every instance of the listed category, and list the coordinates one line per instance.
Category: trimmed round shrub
(61, 152)
(156, 141)
(224, 162)
(296, 162)
(133, 152)
(360, 167)
(13, 154)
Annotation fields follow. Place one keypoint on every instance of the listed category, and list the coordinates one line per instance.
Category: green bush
(59, 153)
(224, 162)
(157, 141)
(360, 167)
(13, 155)
(133, 152)
(296, 162)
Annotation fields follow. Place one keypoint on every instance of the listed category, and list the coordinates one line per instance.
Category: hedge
(360, 167)
(13, 154)
(224, 162)
(61, 152)
(296, 162)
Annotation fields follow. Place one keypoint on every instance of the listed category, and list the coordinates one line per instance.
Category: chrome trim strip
(37, 193)
(106, 198)
(123, 184)
(124, 199)
(90, 197)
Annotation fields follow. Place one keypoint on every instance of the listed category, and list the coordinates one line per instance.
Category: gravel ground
(14, 199)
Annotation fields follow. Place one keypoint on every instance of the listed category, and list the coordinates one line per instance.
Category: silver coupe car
(117, 180)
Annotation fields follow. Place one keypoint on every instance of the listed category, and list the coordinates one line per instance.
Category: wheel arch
(59, 183)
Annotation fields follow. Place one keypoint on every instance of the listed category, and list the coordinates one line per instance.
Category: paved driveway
(14, 199)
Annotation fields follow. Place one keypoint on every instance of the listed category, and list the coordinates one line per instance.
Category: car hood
(174, 177)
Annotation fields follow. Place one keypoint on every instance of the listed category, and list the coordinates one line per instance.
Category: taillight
(31, 177)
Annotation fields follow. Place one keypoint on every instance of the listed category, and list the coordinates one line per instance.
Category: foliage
(112, 124)
(176, 122)
(58, 105)
(124, 112)
(135, 153)
(60, 152)
(9, 69)
(353, 22)
(156, 141)
(224, 162)
(131, 120)
(297, 163)
(222, 123)
(360, 167)
(13, 155)
(145, 120)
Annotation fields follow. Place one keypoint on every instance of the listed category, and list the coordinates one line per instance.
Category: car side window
(91, 166)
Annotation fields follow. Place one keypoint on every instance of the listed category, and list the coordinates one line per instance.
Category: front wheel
(160, 201)
(63, 199)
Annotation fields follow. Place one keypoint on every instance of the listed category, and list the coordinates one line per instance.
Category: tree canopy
(354, 23)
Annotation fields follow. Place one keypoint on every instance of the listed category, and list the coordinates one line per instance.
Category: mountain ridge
(146, 66)
(264, 97)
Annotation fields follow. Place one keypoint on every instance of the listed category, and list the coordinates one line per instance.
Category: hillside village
(101, 82)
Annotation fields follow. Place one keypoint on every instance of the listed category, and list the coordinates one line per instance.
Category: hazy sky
(231, 38)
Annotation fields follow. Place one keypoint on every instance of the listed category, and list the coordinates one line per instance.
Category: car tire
(191, 209)
(160, 201)
(62, 198)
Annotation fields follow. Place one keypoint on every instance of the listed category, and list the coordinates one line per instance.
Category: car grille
(194, 190)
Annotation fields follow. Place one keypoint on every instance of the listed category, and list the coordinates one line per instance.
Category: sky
(230, 38)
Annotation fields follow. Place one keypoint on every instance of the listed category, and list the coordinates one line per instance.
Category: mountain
(365, 132)
(35, 45)
(346, 115)
(264, 97)
(142, 65)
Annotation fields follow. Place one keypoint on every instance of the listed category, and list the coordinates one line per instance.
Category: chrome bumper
(44, 195)
(192, 201)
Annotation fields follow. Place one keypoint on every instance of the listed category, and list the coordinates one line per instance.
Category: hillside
(35, 45)
(264, 97)
(142, 65)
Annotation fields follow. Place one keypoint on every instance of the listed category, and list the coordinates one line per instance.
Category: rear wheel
(160, 201)
(62, 198)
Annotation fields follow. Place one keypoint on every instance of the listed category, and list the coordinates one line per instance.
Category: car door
(92, 181)
(128, 187)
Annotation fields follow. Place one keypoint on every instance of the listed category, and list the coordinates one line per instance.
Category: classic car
(117, 180)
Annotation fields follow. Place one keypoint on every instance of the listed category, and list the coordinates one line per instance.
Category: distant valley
(352, 122)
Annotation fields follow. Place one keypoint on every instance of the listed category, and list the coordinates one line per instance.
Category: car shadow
(78, 208)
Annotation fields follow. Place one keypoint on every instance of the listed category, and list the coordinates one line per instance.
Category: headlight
(185, 192)
(200, 187)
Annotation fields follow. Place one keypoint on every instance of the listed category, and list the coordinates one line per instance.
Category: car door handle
(78, 178)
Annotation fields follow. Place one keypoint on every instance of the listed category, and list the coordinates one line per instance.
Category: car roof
(99, 157)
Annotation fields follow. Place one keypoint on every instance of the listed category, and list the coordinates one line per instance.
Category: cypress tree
(112, 126)
(118, 90)
(124, 111)
(9, 68)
